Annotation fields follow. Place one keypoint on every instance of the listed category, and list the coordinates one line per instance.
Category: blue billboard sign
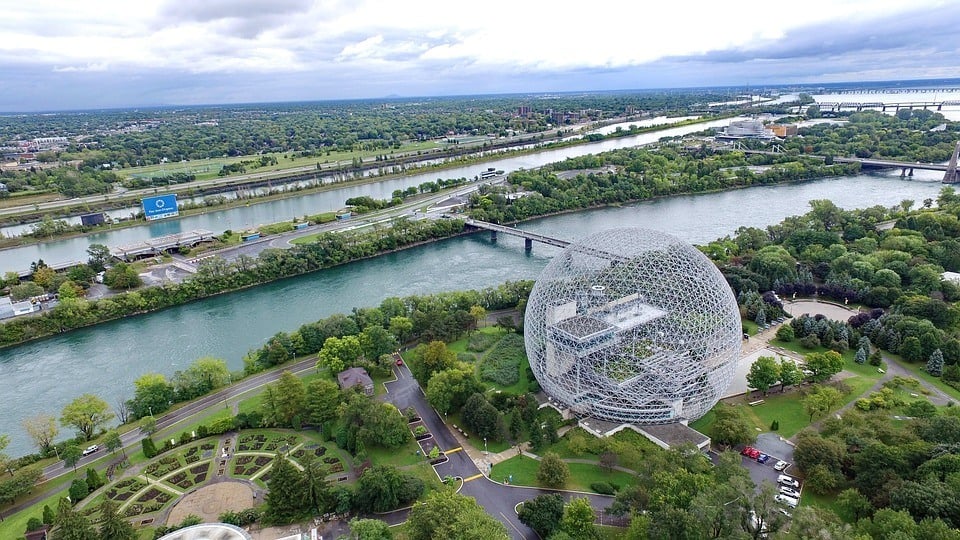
(162, 206)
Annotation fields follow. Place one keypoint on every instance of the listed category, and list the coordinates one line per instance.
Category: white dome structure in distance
(633, 326)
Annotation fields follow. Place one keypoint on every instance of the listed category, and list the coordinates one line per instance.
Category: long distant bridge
(938, 105)
(950, 175)
(528, 237)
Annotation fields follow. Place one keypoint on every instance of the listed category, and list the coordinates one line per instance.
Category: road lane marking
(472, 478)
(507, 520)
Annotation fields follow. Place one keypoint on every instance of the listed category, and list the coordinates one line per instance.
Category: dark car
(762, 458)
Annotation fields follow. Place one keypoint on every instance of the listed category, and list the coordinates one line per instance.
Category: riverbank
(471, 157)
(298, 260)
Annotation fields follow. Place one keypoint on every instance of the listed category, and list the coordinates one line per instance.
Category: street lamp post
(485, 445)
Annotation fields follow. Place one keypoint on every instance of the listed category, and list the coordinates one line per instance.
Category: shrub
(603, 488)
(810, 341)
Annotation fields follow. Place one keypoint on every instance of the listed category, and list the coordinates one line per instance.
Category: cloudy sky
(64, 54)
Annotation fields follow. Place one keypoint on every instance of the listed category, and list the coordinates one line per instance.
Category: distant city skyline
(60, 54)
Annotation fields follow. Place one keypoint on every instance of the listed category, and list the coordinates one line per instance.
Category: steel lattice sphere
(633, 325)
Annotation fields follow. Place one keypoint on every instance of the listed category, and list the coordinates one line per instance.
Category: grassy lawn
(474, 440)
(14, 525)
(398, 457)
(524, 473)
(825, 502)
(786, 408)
(749, 327)
(917, 370)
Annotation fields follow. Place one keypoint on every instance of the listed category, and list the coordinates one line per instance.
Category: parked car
(788, 481)
(91, 449)
(781, 465)
(785, 512)
(754, 453)
(789, 492)
(763, 458)
(746, 450)
(789, 501)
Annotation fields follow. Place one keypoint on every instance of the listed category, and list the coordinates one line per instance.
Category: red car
(746, 450)
(399, 361)
(750, 452)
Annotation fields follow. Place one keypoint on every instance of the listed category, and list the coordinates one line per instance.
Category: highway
(134, 195)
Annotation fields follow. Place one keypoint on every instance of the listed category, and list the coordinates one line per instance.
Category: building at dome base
(633, 326)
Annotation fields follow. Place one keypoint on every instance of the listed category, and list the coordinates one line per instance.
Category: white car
(91, 449)
(781, 465)
(789, 492)
(788, 481)
(789, 501)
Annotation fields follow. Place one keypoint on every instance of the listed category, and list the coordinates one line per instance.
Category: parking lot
(777, 450)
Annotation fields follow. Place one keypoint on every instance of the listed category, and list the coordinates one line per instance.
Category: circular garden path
(210, 501)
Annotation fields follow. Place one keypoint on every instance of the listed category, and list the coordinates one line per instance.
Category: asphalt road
(134, 194)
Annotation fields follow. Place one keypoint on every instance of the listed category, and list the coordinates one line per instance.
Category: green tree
(911, 350)
(152, 394)
(445, 514)
(203, 376)
(149, 448)
(284, 400)
(323, 398)
(785, 333)
(820, 400)
(377, 341)
(731, 426)
(71, 525)
(552, 472)
(824, 365)
(284, 501)
(790, 374)
(764, 373)
(853, 505)
(369, 529)
(478, 314)
(122, 277)
(542, 513)
(339, 353)
(78, 490)
(578, 519)
(113, 442)
(113, 526)
(935, 363)
(382, 488)
(98, 255)
(401, 326)
(71, 455)
(315, 485)
(94, 481)
(86, 413)
(42, 429)
(449, 389)
(432, 358)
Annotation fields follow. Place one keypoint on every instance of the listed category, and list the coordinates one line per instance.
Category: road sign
(160, 207)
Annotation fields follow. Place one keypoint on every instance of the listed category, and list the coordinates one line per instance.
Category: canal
(104, 360)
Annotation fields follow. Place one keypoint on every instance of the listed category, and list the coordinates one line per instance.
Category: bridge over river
(906, 168)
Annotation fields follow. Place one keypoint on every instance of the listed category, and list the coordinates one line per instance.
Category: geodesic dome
(634, 326)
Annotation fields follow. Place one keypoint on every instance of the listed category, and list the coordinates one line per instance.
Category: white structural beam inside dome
(633, 326)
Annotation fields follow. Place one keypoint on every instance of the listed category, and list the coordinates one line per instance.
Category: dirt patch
(210, 501)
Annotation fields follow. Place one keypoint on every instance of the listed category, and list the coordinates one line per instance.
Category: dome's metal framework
(633, 326)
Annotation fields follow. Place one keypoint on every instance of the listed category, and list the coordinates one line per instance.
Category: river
(104, 360)
(242, 217)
